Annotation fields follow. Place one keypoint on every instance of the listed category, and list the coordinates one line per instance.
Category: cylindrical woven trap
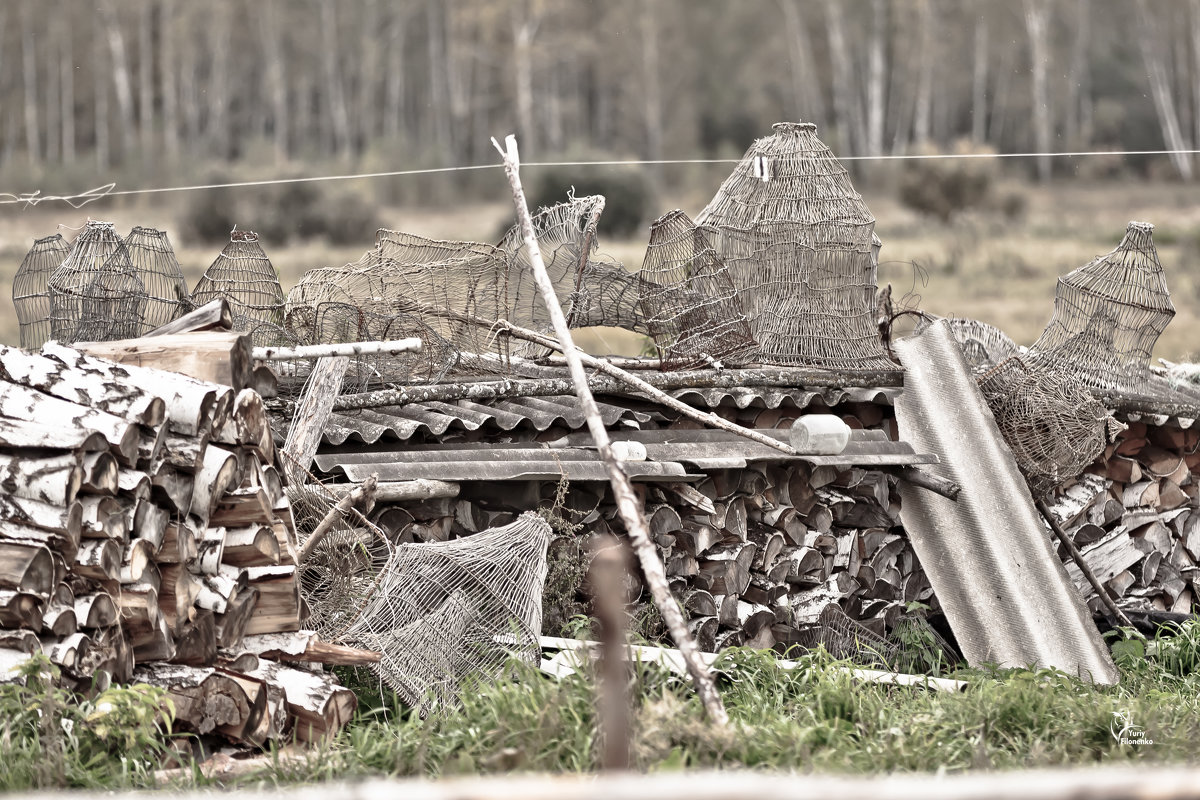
(31, 289)
(1108, 314)
(95, 294)
(1054, 427)
(244, 275)
(688, 301)
(158, 269)
(800, 246)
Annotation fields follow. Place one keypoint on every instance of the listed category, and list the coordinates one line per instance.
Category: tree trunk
(393, 87)
(806, 86)
(1150, 42)
(652, 95)
(1039, 53)
(979, 77)
(524, 24)
(335, 95)
(1194, 14)
(146, 80)
(219, 95)
(845, 97)
(272, 34)
(33, 141)
(168, 89)
(1079, 83)
(876, 78)
(66, 94)
(120, 74)
(923, 118)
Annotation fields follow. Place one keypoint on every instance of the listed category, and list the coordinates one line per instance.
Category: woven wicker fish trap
(444, 612)
(31, 289)
(1053, 425)
(800, 246)
(1108, 314)
(593, 289)
(688, 300)
(153, 258)
(244, 276)
(984, 346)
(95, 293)
(435, 300)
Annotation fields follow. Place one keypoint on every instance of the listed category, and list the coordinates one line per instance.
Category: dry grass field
(981, 265)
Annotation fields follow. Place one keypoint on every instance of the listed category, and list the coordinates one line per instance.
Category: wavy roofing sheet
(988, 555)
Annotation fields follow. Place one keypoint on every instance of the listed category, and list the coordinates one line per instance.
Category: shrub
(945, 187)
(627, 194)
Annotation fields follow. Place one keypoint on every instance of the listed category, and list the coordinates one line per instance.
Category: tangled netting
(983, 345)
(96, 294)
(379, 297)
(685, 293)
(446, 611)
(31, 289)
(911, 645)
(593, 289)
(158, 269)
(244, 275)
(801, 248)
(343, 571)
(1053, 425)
(1108, 314)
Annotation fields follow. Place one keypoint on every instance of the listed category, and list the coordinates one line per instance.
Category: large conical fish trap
(31, 289)
(447, 611)
(244, 276)
(800, 246)
(1108, 314)
(158, 269)
(95, 294)
(688, 300)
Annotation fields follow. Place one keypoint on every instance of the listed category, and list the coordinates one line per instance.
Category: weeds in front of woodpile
(815, 717)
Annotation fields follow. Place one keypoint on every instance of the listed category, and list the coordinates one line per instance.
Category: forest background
(164, 93)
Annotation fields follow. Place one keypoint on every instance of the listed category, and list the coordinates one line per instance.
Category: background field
(983, 264)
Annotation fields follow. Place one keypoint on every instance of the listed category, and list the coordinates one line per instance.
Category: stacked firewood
(1135, 516)
(145, 535)
(754, 554)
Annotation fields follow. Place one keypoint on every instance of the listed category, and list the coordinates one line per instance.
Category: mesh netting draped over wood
(95, 294)
(593, 289)
(687, 298)
(1053, 425)
(31, 289)
(244, 275)
(158, 269)
(984, 346)
(1108, 314)
(446, 611)
(799, 243)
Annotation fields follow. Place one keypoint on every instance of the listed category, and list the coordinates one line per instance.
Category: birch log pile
(145, 532)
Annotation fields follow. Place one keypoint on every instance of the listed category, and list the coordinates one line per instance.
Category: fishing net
(244, 275)
(844, 638)
(445, 611)
(1053, 425)
(158, 269)
(688, 301)
(409, 248)
(95, 294)
(983, 345)
(1108, 314)
(800, 246)
(31, 289)
(343, 570)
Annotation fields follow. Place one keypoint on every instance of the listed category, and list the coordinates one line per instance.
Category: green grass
(811, 719)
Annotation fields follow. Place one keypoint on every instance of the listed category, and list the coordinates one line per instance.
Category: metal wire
(154, 260)
(244, 275)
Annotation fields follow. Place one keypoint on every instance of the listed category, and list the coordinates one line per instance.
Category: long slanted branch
(627, 504)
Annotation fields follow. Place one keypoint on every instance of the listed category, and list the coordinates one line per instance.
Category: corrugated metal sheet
(988, 556)
(761, 397)
(434, 418)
